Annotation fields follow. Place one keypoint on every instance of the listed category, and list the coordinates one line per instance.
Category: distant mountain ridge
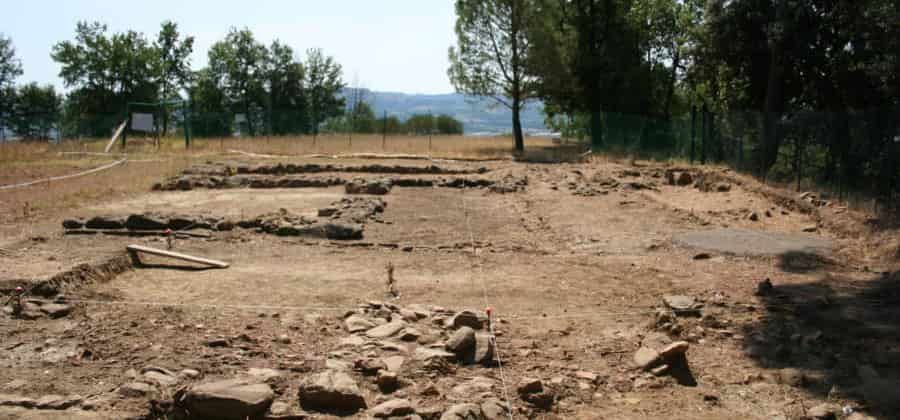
(478, 115)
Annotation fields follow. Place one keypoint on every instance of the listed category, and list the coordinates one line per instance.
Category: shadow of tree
(840, 333)
(803, 262)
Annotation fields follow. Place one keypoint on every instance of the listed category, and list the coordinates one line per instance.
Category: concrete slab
(751, 242)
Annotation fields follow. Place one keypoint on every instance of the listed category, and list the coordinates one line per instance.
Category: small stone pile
(509, 184)
(679, 177)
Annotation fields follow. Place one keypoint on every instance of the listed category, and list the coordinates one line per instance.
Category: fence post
(384, 131)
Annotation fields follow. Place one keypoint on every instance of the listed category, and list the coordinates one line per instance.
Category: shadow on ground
(840, 335)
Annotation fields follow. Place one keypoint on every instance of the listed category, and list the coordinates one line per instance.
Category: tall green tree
(36, 112)
(491, 55)
(105, 72)
(237, 63)
(10, 69)
(323, 84)
(211, 112)
(287, 95)
(174, 64)
(588, 57)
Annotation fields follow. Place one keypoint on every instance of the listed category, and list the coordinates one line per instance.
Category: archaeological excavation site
(247, 287)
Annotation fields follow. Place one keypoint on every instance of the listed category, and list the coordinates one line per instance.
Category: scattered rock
(753, 216)
(674, 350)
(811, 229)
(462, 343)
(387, 382)
(462, 412)
(682, 305)
(484, 349)
(494, 409)
(425, 354)
(217, 342)
(393, 363)
(369, 366)
(467, 318)
(386, 330)
(356, 323)
(392, 408)
(530, 386)
(532, 391)
(331, 392)
(228, 399)
(684, 178)
(646, 358)
(136, 390)
(56, 310)
(826, 411)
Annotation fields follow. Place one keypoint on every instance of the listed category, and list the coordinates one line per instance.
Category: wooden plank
(116, 135)
(176, 255)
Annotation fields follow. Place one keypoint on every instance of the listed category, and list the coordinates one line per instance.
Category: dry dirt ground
(573, 262)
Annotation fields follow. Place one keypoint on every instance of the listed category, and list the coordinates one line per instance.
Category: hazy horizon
(398, 46)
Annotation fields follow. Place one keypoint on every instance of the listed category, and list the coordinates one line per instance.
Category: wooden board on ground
(116, 135)
(134, 249)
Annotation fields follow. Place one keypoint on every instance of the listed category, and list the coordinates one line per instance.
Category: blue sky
(387, 45)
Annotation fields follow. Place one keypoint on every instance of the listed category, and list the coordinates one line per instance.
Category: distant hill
(479, 115)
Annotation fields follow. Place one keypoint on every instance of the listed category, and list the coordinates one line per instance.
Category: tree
(323, 83)
(211, 114)
(420, 124)
(237, 63)
(174, 64)
(105, 73)
(587, 54)
(10, 69)
(287, 95)
(36, 112)
(445, 124)
(492, 53)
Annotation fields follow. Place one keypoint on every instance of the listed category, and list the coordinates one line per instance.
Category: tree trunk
(518, 138)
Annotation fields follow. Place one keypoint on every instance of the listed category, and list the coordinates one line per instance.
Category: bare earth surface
(789, 313)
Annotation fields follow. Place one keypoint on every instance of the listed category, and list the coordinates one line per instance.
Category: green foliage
(210, 115)
(445, 124)
(173, 65)
(237, 64)
(105, 72)
(287, 95)
(10, 69)
(323, 83)
(491, 55)
(36, 112)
